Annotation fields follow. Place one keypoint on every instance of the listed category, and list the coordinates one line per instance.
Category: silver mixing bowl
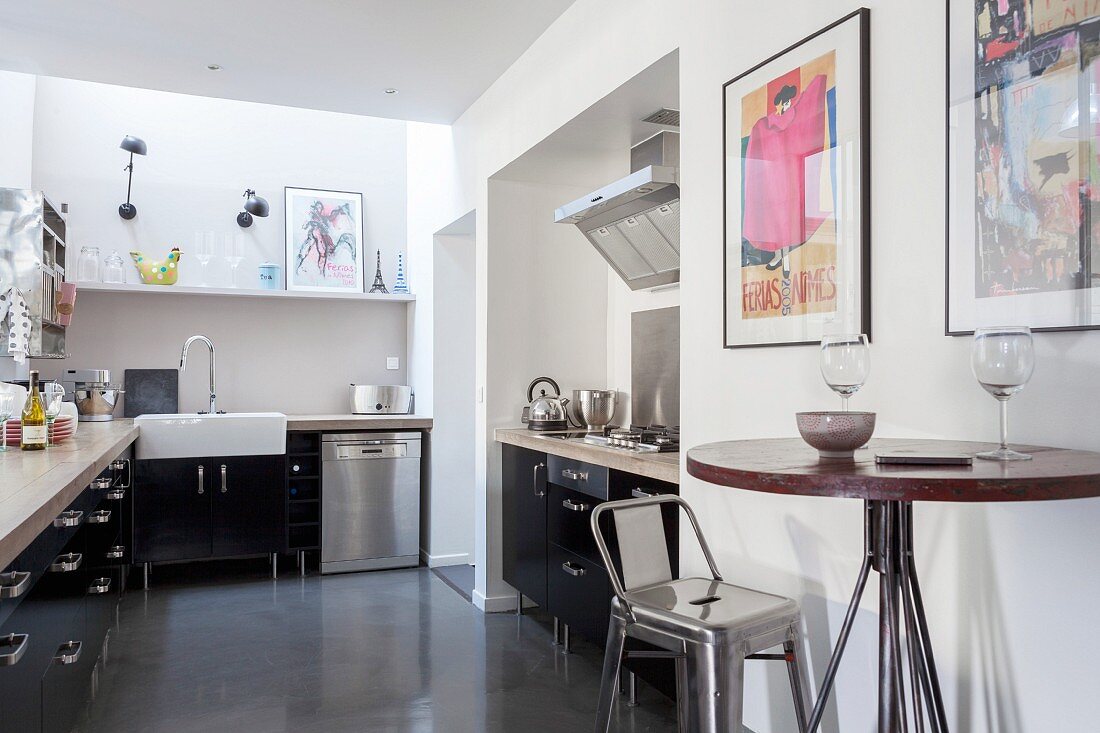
(595, 407)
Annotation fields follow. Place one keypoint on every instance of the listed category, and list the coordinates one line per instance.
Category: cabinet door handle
(202, 490)
(68, 519)
(18, 645)
(575, 506)
(66, 563)
(100, 585)
(573, 569)
(100, 516)
(121, 469)
(569, 473)
(640, 493)
(14, 584)
(68, 653)
(225, 488)
(535, 480)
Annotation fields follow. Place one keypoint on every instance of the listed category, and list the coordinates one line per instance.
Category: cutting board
(151, 392)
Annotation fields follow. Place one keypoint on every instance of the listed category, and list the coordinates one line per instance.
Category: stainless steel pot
(595, 408)
(546, 412)
(96, 404)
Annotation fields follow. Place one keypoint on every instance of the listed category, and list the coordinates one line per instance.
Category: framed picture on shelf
(324, 240)
(796, 165)
(1021, 235)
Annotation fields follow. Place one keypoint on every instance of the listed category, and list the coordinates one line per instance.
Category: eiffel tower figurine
(379, 286)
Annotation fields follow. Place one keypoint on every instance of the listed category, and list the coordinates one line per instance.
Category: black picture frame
(949, 191)
(863, 17)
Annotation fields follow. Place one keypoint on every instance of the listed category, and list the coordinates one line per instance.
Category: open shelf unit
(239, 292)
(303, 492)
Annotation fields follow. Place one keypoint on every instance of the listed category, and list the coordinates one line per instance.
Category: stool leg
(792, 649)
(612, 658)
(715, 689)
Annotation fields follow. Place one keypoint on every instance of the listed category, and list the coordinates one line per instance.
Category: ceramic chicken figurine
(158, 272)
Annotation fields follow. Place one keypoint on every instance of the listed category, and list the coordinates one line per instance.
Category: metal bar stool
(709, 627)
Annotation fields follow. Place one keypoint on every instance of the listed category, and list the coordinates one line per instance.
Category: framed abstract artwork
(1021, 160)
(324, 240)
(796, 165)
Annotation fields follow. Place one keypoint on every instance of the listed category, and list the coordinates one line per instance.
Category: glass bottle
(33, 434)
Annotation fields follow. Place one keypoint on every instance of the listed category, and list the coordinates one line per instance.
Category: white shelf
(238, 292)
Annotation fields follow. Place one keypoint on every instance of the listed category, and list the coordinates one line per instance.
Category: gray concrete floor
(222, 648)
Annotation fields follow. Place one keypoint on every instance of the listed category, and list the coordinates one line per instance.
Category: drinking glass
(204, 251)
(845, 363)
(52, 394)
(234, 255)
(7, 409)
(1003, 358)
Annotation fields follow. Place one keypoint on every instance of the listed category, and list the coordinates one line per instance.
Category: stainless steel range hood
(635, 221)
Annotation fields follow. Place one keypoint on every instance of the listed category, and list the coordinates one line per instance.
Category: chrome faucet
(183, 365)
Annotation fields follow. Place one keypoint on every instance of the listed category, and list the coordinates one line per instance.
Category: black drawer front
(568, 519)
(587, 478)
(580, 593)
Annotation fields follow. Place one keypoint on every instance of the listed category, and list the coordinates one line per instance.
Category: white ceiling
(333, 55)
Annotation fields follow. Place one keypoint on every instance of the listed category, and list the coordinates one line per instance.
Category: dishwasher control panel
(371, 449)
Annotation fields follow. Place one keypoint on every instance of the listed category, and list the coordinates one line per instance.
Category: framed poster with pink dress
(797, 198)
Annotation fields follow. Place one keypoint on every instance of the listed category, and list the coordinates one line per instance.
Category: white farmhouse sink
(198, 436)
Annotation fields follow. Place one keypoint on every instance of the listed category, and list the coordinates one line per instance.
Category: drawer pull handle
(640, 493)
(66, 563)
(201, 489)
(573, 569)
(575, 506)
(539, 491)
(68, 519)
(68, 653)
(101, 484)
(116, 494)
(569, 473)
(14, 584)
(18, 645)
(119, 465)
(100, 585)
(225, 486)
(115, 553)
(100, 516)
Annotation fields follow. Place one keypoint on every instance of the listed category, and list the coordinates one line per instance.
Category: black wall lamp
(132, 145)
(253, 204)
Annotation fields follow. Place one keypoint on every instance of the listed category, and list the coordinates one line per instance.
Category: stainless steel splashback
(655, 367)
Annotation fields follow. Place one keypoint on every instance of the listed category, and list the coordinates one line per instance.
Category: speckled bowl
(836, 434)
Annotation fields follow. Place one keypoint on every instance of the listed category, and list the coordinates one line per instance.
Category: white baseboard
(441, 561)
(495, 604)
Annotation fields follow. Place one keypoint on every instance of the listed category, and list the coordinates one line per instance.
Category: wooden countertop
(358, 422)
(37, 486)
(660, 466)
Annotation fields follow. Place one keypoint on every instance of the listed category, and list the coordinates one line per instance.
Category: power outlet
(393, 362)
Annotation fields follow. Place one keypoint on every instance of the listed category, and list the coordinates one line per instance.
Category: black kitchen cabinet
(172, 509)
(523, 504)
(198, 508)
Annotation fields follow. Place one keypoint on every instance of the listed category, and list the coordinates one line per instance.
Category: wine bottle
(34, 419)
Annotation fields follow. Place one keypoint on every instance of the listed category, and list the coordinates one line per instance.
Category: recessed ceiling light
(391, 90)
(214, 67)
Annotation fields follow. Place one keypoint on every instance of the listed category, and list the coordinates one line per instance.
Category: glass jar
(87, 267)
(113, 271)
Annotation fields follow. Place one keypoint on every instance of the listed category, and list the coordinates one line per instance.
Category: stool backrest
(643, 549)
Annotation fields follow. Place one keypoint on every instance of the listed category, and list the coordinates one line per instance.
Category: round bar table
(789, 466)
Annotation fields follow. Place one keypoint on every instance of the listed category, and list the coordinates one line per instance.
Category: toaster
(381, 399)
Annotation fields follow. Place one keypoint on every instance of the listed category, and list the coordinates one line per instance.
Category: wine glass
(234, 255)
(204, 251)
(1003, 358)
(7, 409)
(845, 363)
(52, 394)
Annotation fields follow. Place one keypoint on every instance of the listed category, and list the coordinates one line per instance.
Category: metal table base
(888, 550)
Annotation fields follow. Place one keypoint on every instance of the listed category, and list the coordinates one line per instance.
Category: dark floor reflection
(223, 648)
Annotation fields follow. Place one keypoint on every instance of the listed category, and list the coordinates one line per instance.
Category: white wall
(16, 129)
(449, 539)
(295, 355)
(1007, 586)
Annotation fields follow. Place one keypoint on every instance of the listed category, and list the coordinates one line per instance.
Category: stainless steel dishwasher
(370, 501)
